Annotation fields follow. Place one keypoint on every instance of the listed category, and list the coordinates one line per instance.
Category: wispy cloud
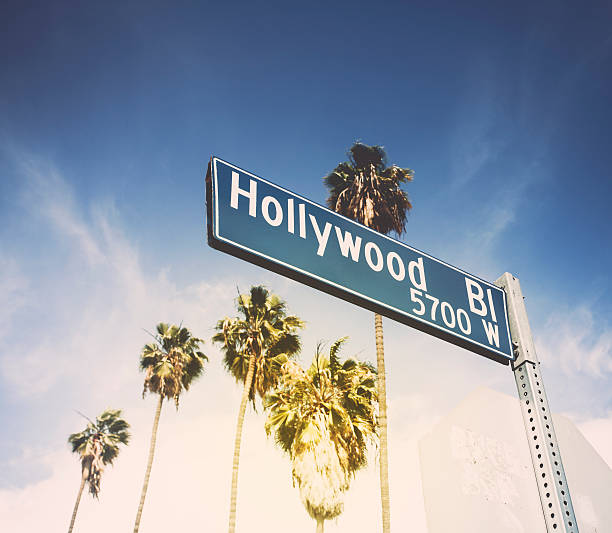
(47, 194)
(473, 145)
(13, 291)
(477, 140)
(100, 302)
(484, 165)
(574, 340)
(497, 216)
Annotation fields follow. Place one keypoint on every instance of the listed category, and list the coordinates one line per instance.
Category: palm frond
(362, 156)
(368, 192)
(98, 445)
(262, 330)
(172, 362)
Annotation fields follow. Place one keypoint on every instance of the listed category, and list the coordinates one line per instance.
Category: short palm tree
(170, 364)
(366, 190)
(324, 419)
(97, 446)
(255, 346)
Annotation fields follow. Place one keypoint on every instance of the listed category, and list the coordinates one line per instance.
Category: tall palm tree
(255, 344)
(366, 190)
(97, 446)
(170, 364)
(324, 419)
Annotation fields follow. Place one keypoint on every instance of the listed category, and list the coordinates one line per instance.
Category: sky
(109, 114)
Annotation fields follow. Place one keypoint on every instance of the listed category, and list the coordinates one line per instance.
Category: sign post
(547, 465)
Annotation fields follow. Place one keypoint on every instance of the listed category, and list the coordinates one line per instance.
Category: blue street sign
(258, 221)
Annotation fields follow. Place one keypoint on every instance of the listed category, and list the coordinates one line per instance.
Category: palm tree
(324, 419)
(367, 191)
(97, 446)
(255, 346)
(170, 364)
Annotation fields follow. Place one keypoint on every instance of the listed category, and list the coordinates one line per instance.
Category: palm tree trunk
(320, 526)
(145, 485)
(76, 505)
(382, 425)
(243, 403)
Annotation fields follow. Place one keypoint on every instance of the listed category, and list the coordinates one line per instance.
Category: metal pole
(552, 485)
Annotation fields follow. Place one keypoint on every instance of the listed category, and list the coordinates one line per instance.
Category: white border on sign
(342, 287)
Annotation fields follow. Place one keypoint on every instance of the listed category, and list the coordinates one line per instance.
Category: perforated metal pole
(552, 485)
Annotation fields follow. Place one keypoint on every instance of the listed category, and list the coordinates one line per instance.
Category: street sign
(256, 220)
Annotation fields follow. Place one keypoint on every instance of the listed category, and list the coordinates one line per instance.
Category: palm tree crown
(172, 362)
(98, 445)
(324, 418)
(366, 190)
(264, 332)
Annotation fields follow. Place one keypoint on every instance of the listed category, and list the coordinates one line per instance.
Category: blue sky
(109, 114)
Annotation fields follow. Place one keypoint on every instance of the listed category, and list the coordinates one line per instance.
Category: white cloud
(104, 302)
(47, 194)
(483, 230)
(572, 340)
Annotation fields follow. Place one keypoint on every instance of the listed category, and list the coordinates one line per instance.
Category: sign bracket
(543, 445)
